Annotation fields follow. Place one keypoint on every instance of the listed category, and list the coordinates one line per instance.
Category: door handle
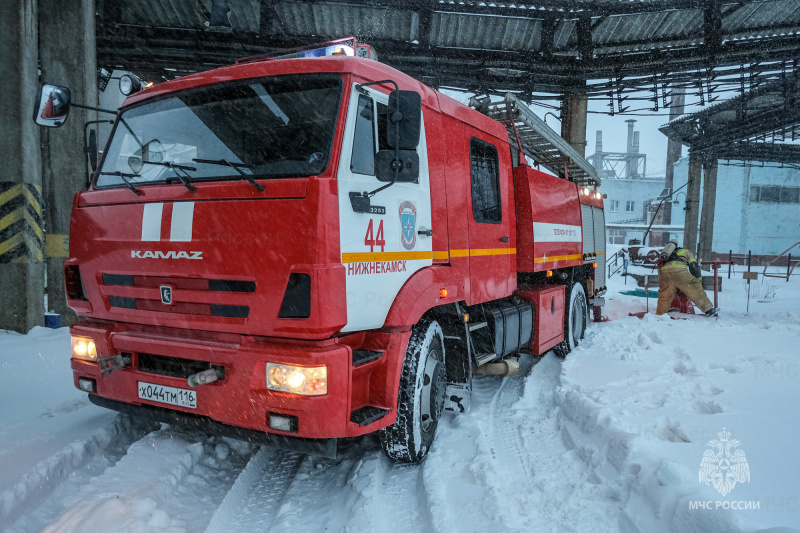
(426, 232)
(504, 239)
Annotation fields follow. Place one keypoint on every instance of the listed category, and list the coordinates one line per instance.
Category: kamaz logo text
(172, 254)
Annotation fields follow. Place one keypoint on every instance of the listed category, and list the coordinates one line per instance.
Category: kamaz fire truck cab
(278, 251)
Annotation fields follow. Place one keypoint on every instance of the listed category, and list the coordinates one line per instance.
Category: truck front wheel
(421, 397)
(575, 320)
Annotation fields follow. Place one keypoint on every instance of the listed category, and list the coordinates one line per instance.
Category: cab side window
(485, 166)
(363, 159)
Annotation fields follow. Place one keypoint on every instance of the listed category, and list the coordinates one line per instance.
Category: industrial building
(631, 196)
(757, 209)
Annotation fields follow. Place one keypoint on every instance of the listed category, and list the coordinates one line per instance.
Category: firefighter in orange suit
(679, 270)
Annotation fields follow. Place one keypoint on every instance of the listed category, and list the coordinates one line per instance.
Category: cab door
(492, 259)
(382, 249)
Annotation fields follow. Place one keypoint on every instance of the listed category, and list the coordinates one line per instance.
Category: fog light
(84, 348)
(87, 385)
(303, 380)
(283, 422)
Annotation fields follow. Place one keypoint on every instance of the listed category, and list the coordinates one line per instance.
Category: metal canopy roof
(540, 143)
(759, 125)
(539, 46)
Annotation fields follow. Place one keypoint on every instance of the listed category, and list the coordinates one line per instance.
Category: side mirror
(405, 117)
(405, 163)
(91, 149)
(151, 152)
(51, 107)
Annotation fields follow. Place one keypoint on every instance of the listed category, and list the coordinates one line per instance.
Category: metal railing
(789, 267)
(614, 265)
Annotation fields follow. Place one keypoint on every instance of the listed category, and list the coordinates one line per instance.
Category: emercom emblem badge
(408, 224)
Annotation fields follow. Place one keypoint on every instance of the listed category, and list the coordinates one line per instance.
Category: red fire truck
(302, 250)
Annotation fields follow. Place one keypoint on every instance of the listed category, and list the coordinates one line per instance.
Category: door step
(367, 415)
(362, 357)
(483, 358)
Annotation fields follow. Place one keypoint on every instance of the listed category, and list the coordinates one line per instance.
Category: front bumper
(319, 447)
(241, 399)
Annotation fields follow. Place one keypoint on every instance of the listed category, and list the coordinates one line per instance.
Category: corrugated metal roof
(537, 36)
(331, 19)
(757, 123)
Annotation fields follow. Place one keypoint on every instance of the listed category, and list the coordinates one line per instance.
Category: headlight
(84, 348)
(303, 380)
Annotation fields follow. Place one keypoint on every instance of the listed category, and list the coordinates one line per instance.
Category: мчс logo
(408, 223)
(724, 468)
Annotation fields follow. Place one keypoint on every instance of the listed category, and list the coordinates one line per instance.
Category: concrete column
(707, 214)
(674, 149)
(573, 121)
(692, 202)
(21, 244)
(68, 57)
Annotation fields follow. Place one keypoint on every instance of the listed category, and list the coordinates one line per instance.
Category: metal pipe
(630, 122)
(504, 368)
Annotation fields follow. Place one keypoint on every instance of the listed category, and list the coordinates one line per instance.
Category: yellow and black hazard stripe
(21, 237)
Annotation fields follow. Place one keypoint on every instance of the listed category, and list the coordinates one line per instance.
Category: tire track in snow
(391, 497)
(36, 498)
(455, 478)
(162, 482)
(258, 492)
(503, 455)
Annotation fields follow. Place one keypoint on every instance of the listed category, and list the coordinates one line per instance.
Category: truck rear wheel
(575, 320)
(420, 401)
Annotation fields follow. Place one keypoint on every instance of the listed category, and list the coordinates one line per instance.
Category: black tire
(576, 317)
(420, 401)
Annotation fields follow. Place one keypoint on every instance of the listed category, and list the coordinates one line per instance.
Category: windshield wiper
(125, 177)
(234, 166)
(185, 178)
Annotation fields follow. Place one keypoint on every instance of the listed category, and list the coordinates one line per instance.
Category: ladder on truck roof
(540, 143)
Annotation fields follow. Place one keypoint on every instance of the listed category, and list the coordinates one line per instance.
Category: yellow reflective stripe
(673, 266)
(32, 199)
(16, 240)
(34, 225)
(11, 193)
(18, 189)
(12, 217)
(366, 257)
(492, 251)
(550, 259)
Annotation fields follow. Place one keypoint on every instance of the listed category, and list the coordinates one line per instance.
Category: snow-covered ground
(611, 439)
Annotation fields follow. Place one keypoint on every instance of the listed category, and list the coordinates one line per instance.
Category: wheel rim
(433, 392)
(578, 320)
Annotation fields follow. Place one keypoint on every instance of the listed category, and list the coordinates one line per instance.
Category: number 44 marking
(377, 240)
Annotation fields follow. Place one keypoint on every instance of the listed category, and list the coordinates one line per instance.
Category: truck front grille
(191, 284)
(132, 300)
(186, 308)
(175, 367)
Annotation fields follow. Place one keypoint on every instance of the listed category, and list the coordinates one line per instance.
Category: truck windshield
(281, 126)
